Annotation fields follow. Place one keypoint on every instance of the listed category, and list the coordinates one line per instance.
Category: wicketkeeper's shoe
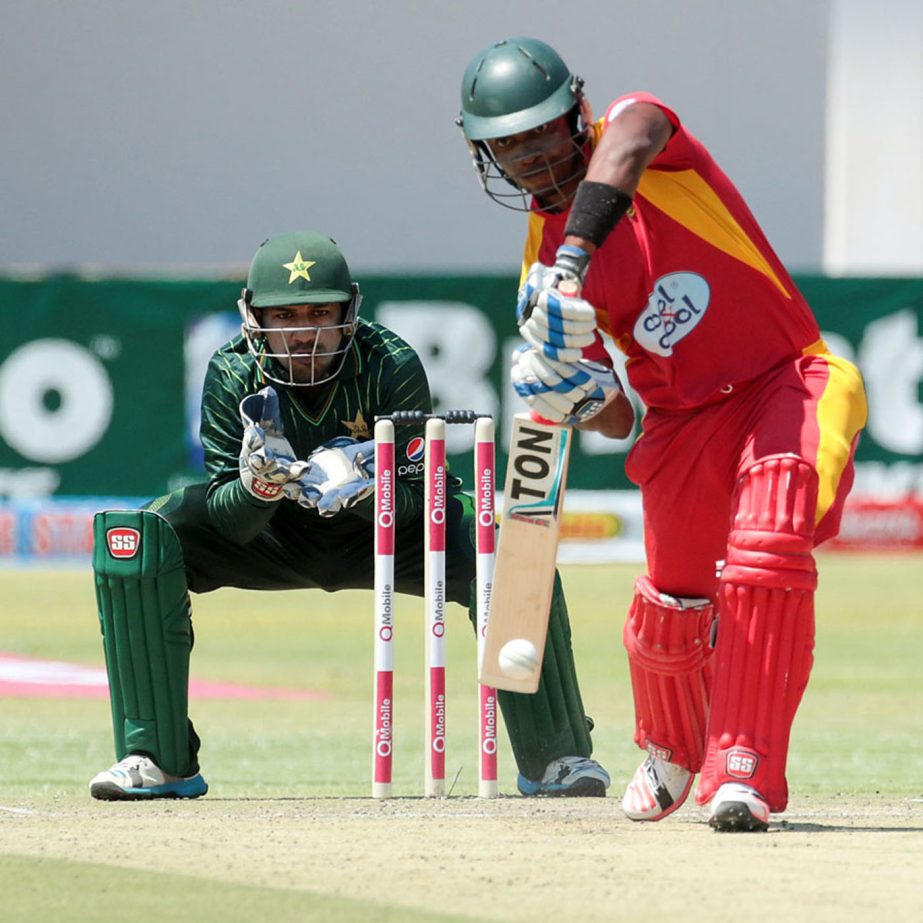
(738, 808)
(138, 777)
(656, 789)
(568, 777)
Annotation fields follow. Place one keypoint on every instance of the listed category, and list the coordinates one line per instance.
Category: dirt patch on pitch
(511, 859)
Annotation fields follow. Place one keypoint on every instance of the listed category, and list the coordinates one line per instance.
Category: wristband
(597, 209)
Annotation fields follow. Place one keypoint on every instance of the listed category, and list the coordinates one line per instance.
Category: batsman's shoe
(138, 777)
(738, 808)
(568, 777)
(656, 789)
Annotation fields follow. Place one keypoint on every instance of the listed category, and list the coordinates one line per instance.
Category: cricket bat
(527, 547)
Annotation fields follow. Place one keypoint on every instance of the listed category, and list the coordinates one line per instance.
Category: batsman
(287, 412)
(745, 460)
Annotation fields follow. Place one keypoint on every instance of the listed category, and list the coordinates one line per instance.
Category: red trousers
(687, 463)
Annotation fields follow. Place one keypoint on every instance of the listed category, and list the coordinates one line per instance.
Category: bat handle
(570, 289)
(538, 418)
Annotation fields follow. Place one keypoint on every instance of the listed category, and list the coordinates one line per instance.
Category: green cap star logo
(298, 268)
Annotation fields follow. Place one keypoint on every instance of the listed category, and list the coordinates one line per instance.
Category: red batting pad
(766, 630)
(669, 656)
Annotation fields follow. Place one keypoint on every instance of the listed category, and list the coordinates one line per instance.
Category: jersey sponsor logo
(741, 763)
(415, 449)
(123, 542)
(674, 308)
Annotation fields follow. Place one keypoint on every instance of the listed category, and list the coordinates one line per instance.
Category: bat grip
(538, 418)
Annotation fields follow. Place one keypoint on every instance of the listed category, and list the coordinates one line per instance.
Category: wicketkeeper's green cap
(302, 267)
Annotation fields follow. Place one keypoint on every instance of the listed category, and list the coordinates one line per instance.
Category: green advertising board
(100, 378)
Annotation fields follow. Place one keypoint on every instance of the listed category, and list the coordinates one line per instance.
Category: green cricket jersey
(230, 538)
(381, 374)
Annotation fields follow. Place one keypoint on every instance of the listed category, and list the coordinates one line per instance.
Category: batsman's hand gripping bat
(533, 506)
(536, 479)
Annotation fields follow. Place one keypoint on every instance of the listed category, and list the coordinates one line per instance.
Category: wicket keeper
(287, 415)
(635, 233)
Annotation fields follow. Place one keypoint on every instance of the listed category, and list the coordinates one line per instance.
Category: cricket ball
(518, 658)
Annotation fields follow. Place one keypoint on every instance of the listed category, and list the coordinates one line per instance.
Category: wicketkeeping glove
(267, 460)
(563, 392)
(340, 473)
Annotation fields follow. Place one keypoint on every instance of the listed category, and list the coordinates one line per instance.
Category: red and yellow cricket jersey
(687, 284)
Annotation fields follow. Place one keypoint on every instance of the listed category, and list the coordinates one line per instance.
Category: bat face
(535, 484)
(527, 549)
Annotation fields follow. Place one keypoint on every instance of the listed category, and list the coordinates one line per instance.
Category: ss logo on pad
(123, 542)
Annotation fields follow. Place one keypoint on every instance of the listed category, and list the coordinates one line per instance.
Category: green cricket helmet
(299, 268)
(514, 86)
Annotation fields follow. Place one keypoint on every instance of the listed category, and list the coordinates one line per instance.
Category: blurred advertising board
(100, 382)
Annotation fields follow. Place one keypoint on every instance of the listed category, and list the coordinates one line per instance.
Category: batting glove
(570, 265)
(563, 392)
(267, 461)
(340, 473)
(560, 326)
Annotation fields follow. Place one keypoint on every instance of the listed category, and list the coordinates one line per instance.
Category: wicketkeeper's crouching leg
(143, 604)
(144, 611)
(548, 730)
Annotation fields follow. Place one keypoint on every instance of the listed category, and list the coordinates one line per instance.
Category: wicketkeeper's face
(305, 338)
(545, 161)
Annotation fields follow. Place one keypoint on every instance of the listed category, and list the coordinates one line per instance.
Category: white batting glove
(340, 473)
(267, 460)
(550, 312)
(570, 267)
(563, 392)
(560, 326)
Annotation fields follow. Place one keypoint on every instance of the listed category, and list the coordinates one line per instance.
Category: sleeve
(679, 152)
(402, 385)
(534, 237)
(232, 510)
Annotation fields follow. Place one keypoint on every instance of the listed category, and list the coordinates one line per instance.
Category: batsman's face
(545, 161)
(305, 338)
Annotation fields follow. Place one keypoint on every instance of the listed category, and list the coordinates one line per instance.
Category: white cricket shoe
(656, 789)
(568, 777)
(738, 808)
(137, 777)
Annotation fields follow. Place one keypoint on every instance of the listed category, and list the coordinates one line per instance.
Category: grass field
(287, 831)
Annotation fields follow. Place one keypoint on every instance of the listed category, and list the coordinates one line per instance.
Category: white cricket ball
(518, 658)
